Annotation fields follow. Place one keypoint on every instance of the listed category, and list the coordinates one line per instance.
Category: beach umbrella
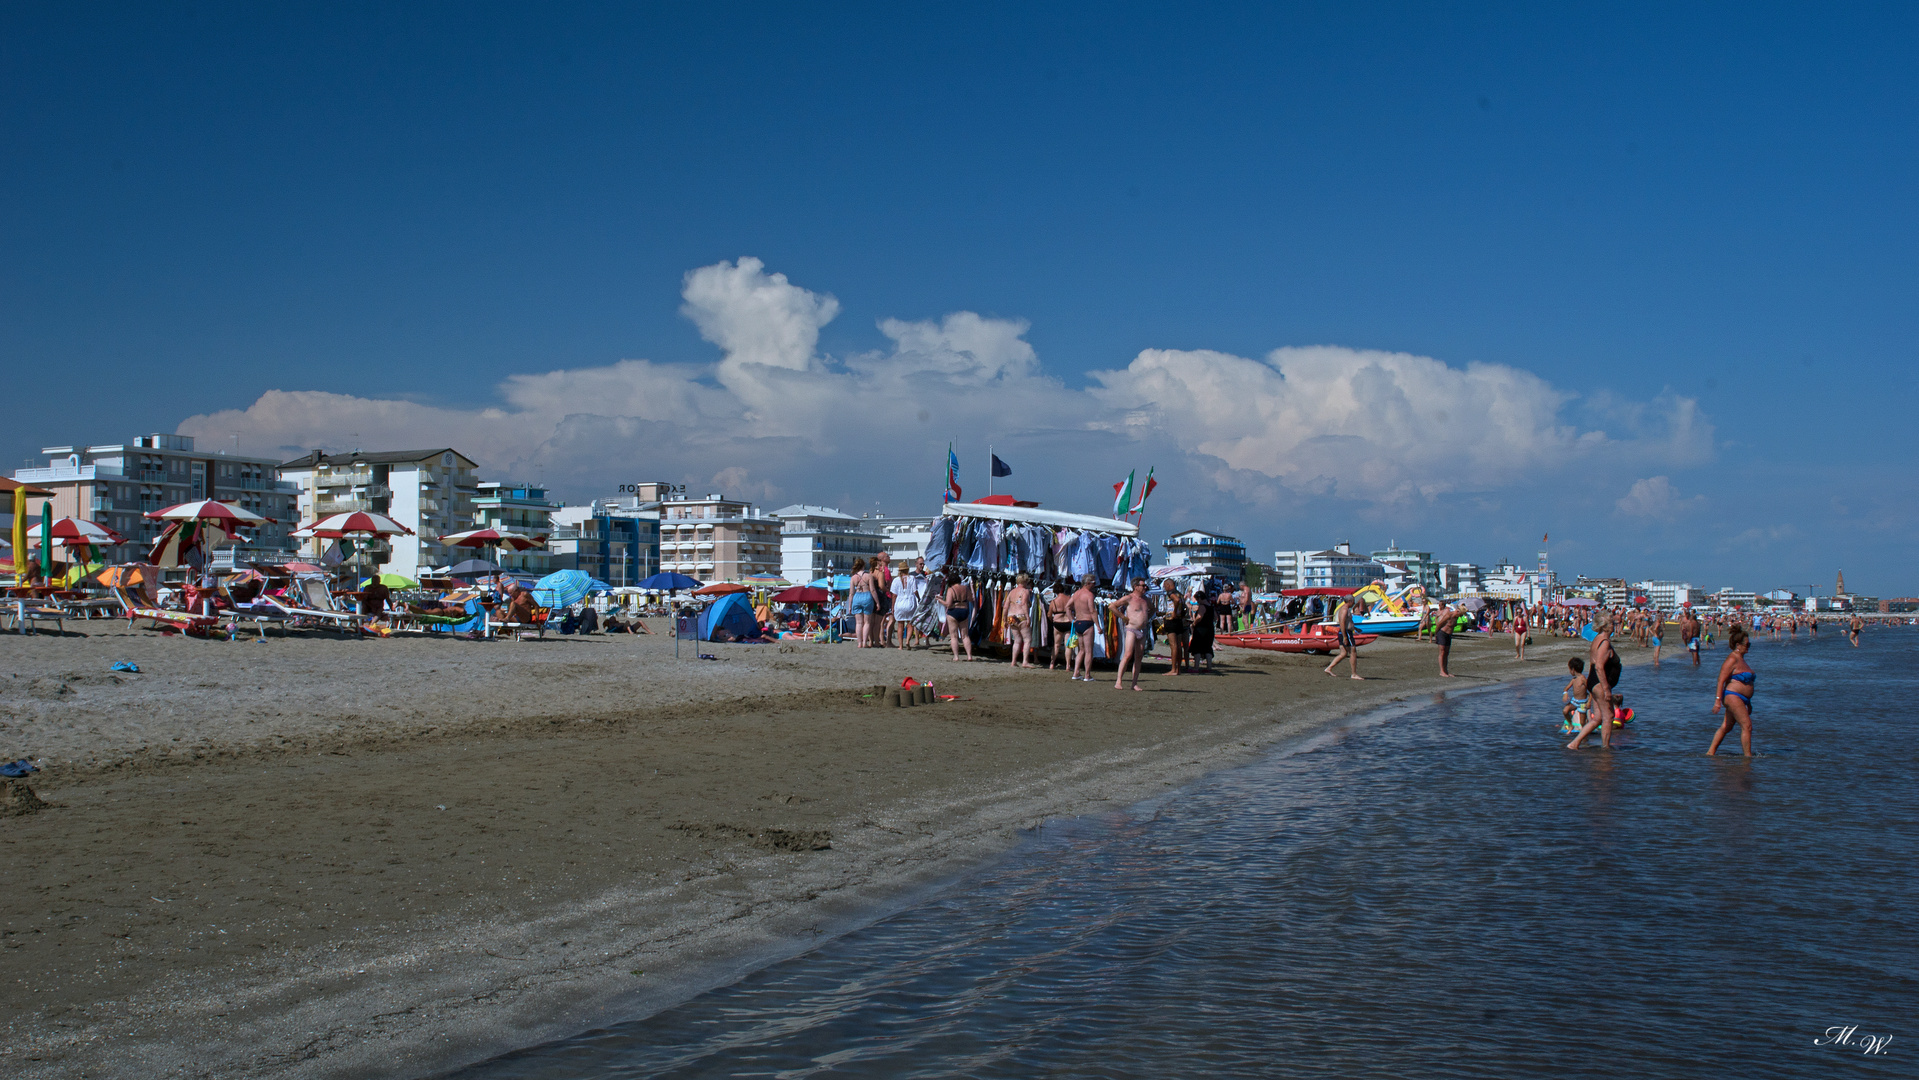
(210, 510)
(722, 588)
(802, 594)
(181, 539)
(74, 532)
(303, 568)
(767, 580)
(1176, 571)
(668, 582)
(356, 523)
(472, 568)
(46, 550)
(838, 582)
(564, 588)
(392, 581)
(500, 538)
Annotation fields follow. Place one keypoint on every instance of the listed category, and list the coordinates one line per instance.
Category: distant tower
(1841, 590)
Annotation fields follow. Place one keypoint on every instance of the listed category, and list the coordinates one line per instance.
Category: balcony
(344, 479)
(64, 473)
(251, 484)
(323, 507)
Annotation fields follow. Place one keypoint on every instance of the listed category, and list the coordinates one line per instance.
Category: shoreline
(466, 964)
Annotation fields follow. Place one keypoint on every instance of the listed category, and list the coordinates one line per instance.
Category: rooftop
(372, 457)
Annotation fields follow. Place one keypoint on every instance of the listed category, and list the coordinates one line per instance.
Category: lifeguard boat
(1318, 639)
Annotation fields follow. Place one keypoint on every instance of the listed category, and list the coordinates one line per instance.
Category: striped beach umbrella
(500, 538)
(356, 523)
(74, 532)
(212, 511)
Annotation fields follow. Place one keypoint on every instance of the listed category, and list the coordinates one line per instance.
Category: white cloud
(773, 418)
(1656, 497)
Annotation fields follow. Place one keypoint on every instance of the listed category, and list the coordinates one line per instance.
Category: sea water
(1433, 891)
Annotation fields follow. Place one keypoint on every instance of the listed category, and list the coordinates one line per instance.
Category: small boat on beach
(1318, 639)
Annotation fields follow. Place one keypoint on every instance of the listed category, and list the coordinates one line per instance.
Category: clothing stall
(989, 545)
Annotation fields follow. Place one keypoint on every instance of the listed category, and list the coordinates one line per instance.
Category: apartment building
(1337, 567)
(905, 539)
(1666, 595)
(614, 540)
(1461, 577)
(714, 538)
(115, 484)
(520, 508)
(1219, 555)
(819, 541)
(1611, 592)
(428, 491)
(1413, 567)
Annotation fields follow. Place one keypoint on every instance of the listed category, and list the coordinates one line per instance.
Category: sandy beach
(321, 857)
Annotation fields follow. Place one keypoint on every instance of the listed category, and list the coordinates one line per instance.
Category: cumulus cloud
(1656, 497)
(772, 417)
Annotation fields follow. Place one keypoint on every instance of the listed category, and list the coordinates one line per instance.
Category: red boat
(1320, 639)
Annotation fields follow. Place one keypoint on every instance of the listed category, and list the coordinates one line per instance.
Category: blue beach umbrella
(839, 582)
(563, 588)
(668, 582)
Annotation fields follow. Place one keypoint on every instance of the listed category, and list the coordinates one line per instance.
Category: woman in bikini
(1019, 620)
(1734, 692)
(959, 612)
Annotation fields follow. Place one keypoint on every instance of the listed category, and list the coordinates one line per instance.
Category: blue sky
(1684, 239)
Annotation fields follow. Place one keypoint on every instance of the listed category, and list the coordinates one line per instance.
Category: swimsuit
(1740, 677)
(863, 603)
(959, 612)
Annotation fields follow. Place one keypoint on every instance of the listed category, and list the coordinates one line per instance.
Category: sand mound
(18, 800)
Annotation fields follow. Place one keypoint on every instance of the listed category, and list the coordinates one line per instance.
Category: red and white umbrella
(357, 523)
(73, 532)
(209, 510)
(474, 538)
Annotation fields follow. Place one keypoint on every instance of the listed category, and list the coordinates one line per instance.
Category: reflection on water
(1438, 893)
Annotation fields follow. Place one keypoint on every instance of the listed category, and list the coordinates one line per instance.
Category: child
(1573, 713)
(1621, 715)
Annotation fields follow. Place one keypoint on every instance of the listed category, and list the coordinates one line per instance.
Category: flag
(1000, 468)
(1543, 537)
(952, 475)
(1123, 494)
(1145, 492)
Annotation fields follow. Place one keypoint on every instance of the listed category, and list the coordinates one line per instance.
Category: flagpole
(990, 471)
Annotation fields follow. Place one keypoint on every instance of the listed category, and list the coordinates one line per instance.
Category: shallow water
(1440, 892)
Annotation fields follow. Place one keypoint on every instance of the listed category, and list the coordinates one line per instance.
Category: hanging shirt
(940, 547)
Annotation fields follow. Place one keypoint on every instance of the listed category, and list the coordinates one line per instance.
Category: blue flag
(1000, 468)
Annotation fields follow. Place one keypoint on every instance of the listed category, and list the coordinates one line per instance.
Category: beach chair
(24, 610)
(535, 626)
(315, 604)
(184, 621)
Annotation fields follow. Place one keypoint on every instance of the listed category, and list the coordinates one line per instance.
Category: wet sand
(323, 857)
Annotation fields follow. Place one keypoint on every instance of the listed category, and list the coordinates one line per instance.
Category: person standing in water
(1689, 633)
(1348, 641)
(1135, 614)
(1852, 629)
(1602, 675)
(1734, 693)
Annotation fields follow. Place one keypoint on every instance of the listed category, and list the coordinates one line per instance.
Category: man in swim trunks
(1136, 613)
(1852, 630)
(1443, 624)
(1084, 609)
(1689, 633)
(1019, 620)
(1348, 640)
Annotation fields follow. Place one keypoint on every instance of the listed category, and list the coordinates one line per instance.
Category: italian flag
(1123, 495)
(1144, 492)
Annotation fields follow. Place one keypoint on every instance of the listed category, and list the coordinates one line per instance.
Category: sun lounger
(24, 611)
(536, 626)
(184, 621)
(338, 620)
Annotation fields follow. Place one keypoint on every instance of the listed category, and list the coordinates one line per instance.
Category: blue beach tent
(731, 612)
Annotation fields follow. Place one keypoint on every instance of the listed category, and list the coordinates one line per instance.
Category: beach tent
(732, 612)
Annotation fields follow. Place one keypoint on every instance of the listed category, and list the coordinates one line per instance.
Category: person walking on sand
(1019, 620)
(959, 614)
(1348, 641)
(860, 601)
(1062, 620)
(1176, 629)
(1734, 693)
(1520, 627)
(1443, 625)
(1135, 615)
(1084, 608)
(1602, 676)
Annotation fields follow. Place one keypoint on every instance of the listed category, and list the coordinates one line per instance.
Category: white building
(428, 491)
(1532, 586)
(1461, 577)
(1219, 555)
(819, 541)
(1335, 568)
(1415, 567)
(1667, 595)
(905, 539)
